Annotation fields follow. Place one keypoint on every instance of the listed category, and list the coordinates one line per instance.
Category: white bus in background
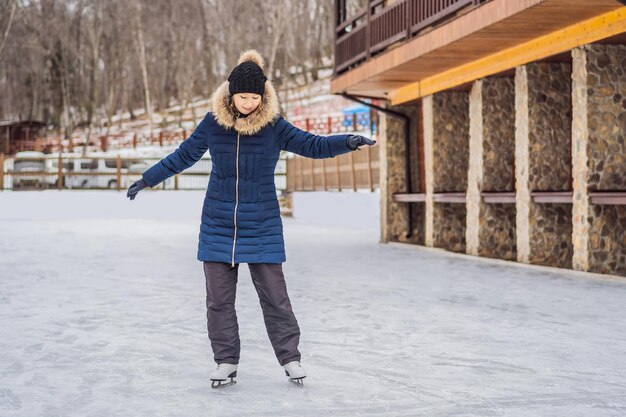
(45, 169)
(105, 167)
(29, 161)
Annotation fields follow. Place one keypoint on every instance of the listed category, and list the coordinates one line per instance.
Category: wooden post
(60, 173)
(330, 125)
(135, 141)
(301, 166)
(1, 171)
(289, 175)
(352, 175)
(338, 174)
(336, 22)
(369, 168)
(408, 19)
(324, 179)
(294, 174)
(161, 139)
(176, 182)
(354, 122)
(119, 173)
(368, 27)
(312, 174)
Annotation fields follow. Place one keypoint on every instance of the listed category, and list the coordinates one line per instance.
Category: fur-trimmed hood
(225, 114)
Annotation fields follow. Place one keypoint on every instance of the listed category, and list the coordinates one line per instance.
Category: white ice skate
(223, 372)
(295, 372)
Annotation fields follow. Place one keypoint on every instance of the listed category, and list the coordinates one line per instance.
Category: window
(91, 165)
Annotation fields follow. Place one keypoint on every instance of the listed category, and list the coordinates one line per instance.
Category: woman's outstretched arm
(309, 145)
(187, 154)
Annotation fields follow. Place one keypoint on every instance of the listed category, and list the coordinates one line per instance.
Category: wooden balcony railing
(380, 24)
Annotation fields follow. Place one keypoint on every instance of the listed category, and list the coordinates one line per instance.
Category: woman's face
(246, 103)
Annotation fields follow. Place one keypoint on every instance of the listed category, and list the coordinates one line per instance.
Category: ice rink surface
(102, 313)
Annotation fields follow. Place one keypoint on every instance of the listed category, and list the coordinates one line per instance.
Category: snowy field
(102, 313)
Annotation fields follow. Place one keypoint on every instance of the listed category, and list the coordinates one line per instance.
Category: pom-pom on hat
(248, 76)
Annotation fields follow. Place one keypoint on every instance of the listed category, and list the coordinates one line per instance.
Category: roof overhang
(489, 39)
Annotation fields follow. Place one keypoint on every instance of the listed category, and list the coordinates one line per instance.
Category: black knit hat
(247, 77)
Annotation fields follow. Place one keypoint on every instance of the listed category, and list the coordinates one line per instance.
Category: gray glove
(135, 188)
(354, 141)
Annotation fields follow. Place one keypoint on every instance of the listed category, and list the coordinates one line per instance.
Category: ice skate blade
(220, 383)
(297, 381)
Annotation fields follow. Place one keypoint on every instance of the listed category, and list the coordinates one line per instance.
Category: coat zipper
(236, 201)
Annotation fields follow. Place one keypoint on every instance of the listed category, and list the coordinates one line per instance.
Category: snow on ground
(102, 313)
(346, 209)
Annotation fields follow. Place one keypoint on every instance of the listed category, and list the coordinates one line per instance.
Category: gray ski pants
(280, 322)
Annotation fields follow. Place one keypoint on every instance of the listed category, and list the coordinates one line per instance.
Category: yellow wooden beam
(570, 37)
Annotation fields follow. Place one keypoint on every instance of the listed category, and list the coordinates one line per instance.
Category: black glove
(354, 141)
(135, 188)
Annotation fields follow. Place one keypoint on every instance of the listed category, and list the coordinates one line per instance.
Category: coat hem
(239, 259)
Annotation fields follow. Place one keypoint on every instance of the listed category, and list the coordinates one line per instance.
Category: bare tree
(81, 62)
(7, 8)
(141, 46)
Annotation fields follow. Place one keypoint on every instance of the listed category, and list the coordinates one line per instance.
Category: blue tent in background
(355, 108)
(362, 114)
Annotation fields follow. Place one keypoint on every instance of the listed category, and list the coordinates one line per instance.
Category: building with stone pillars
(599, 157)
(516, 116)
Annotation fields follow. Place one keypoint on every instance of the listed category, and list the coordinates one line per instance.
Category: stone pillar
(522, 189)
(475, 169)
(450, 159)
(580, 173)
(427, 117)
(491, 227)
(543, 162)
(599, 156)
(393, 176)
(385, 172)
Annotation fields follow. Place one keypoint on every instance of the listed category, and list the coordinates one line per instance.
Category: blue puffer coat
(241, 217)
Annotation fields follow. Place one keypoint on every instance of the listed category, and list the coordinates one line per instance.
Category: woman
(244, 134)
